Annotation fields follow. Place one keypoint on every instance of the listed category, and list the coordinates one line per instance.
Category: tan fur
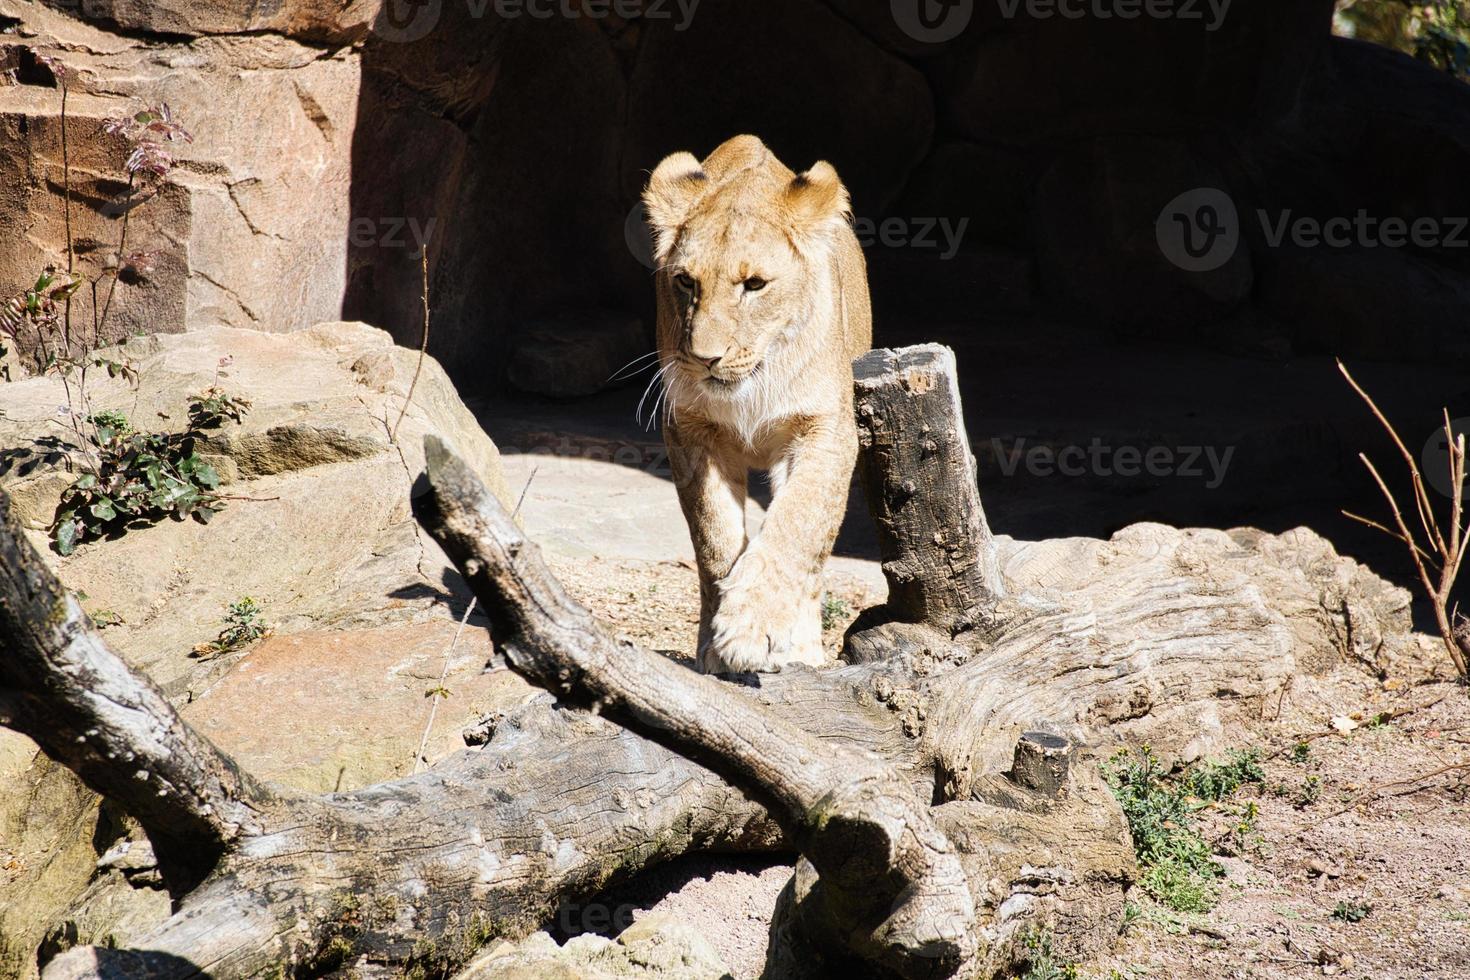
(758, 379)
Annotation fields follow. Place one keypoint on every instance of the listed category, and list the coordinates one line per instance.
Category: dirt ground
(1371, 823)
(1370, 815)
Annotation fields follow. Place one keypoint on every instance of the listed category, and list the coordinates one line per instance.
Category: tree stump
(919, 476)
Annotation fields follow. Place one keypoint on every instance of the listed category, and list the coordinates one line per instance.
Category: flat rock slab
(579, 505)
(332, 711)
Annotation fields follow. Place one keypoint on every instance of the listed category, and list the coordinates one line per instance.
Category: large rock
(365, 607)
(1379, 304)
(251, 228)
(46, 851)
(338, 20)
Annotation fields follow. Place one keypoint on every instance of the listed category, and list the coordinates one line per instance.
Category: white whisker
(642, 357)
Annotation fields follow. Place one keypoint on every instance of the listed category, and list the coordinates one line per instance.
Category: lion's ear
(673, 189)
(817, 199)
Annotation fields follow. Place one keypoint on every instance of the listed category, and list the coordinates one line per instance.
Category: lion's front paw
(761, 625)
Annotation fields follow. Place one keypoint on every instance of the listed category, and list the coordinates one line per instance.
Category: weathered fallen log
(891, 877)
(1155, 631)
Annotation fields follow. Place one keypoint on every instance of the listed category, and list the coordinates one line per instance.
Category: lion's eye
(754, 284)
(686, 282)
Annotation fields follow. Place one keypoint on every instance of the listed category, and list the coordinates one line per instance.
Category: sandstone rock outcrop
(363, 604)
(251, 227)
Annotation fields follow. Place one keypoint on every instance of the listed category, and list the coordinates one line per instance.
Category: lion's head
(745, 251)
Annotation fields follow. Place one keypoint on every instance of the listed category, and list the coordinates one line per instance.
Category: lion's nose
(709, 362)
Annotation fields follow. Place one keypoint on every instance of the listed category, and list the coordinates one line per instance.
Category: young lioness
(762, 305)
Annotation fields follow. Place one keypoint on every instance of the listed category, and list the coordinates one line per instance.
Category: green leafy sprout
(1176, 862)
(244, 624)
(834, 611)
(140, 478)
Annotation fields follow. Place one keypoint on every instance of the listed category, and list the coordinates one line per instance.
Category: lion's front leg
(768, 611)
(712, 487)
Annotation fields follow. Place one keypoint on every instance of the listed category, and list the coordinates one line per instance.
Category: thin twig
(423, 345)
(448, 654)
(1421, 496)
(1386, 530)
(524, 490)
(1451, 551)
(1376, 790)
(1382, 718)
(418, 759)
(122, 247)
(66, 197)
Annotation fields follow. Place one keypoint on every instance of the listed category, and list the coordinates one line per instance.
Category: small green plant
(834, 611)
(140, 478)
(213, 408)
(1042, 963)
(115, 422)
(1301, 753)
(244, 624)
(105, 618)
(1175, 860)
(1214, 781)
(1310, 792)
(1351, 911)
(1244, 824)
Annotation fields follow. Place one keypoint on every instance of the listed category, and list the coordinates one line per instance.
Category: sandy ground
(1376, 817)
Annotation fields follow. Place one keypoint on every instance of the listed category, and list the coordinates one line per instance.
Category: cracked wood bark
(919, 477)
(891, 881)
